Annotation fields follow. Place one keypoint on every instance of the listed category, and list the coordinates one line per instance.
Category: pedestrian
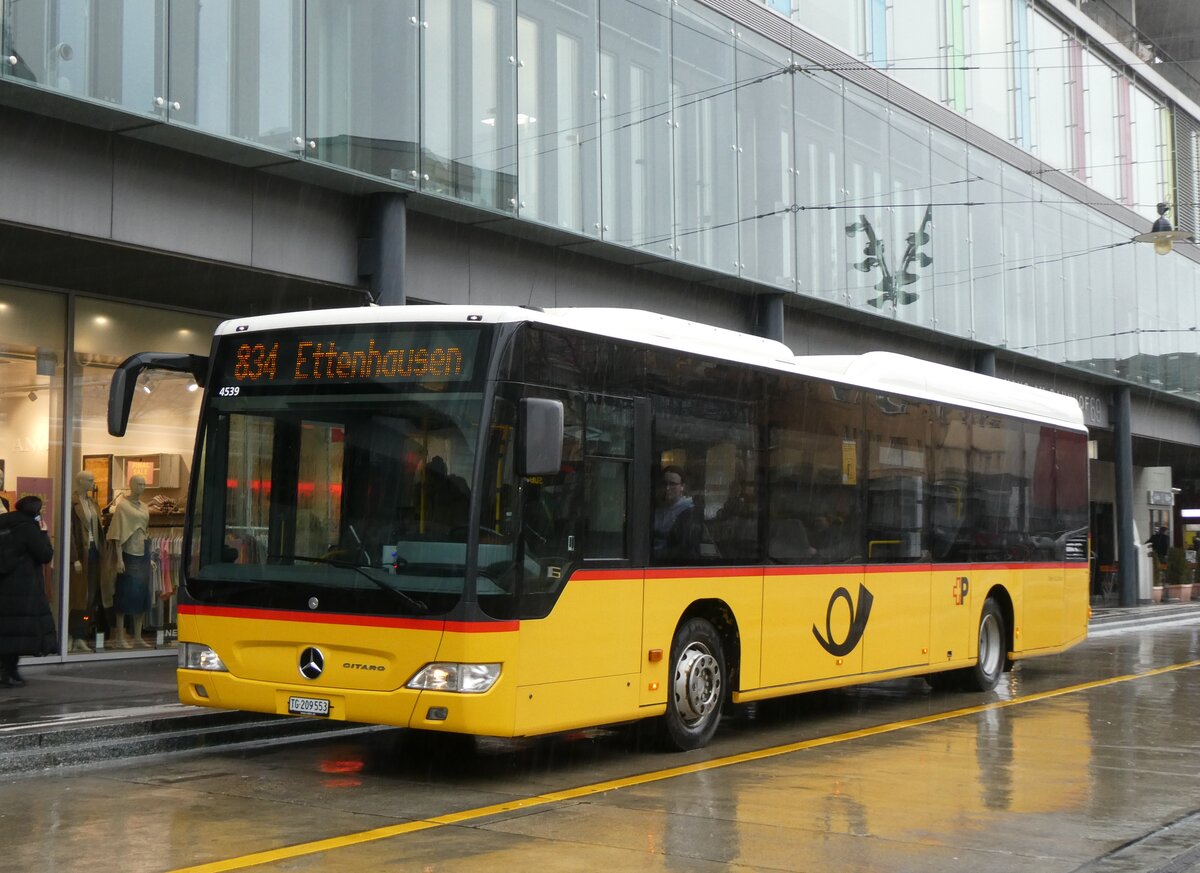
(1159, 543)
(26, 624)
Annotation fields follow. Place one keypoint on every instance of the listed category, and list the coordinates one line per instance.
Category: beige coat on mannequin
(127, 530)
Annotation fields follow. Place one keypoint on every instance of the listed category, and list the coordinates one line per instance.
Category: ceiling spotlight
(193, 387)
(32, 395)
(146, 388)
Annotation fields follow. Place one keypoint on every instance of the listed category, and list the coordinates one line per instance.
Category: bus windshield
(339, 497)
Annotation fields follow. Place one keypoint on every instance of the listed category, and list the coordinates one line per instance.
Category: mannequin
(127, 531)
(85, 555)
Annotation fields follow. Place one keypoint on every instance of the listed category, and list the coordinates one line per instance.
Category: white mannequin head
(85, 483)
(137, 484)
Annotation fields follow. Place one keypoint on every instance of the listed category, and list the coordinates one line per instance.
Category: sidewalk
(82, 712)
(86, 712)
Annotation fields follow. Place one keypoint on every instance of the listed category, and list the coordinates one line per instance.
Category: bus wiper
(412, 602)
(361, 569)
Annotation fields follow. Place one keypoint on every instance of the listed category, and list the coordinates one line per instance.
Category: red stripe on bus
(464, 627)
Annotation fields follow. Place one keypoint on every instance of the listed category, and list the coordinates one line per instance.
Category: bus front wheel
(992, 638)
(696, 686)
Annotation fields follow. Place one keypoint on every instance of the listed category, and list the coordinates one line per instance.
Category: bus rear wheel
(992, 656)
(696, 686)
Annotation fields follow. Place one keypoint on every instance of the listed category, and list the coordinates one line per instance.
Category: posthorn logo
(858, 621)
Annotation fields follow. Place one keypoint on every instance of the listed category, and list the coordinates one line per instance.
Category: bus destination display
(299, 358)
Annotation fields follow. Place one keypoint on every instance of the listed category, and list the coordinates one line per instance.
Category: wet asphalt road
(1084, 761)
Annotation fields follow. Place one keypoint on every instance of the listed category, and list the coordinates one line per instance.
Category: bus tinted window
(896, 479)
(705, 452)
(813, 474)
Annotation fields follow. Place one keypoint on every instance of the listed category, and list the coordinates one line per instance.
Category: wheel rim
(989, 644)
(697, 686)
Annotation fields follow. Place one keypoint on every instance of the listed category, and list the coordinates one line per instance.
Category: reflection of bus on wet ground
(445, 518)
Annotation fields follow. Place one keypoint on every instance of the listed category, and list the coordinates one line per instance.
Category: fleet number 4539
(230, 391)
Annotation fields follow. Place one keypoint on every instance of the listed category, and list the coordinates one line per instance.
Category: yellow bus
(508, 522)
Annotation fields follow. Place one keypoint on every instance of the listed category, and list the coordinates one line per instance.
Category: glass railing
(645, 124)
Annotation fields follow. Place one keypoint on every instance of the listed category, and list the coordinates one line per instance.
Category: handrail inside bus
(124, 381)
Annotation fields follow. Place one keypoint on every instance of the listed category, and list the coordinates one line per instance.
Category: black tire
(993, 654)
(696, 688)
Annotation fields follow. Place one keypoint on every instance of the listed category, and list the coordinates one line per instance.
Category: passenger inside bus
(789, 542)
(676, 523)
(735, 527)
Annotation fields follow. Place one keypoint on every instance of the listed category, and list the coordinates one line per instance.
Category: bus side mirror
(540, 437)
(124, 380)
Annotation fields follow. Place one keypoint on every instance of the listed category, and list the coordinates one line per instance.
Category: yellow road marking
(312, 848)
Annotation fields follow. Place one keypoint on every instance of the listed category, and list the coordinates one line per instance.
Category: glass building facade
(666, 128)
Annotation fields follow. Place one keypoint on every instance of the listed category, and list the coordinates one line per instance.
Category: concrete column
(770, 316)
(1128, 550)
(389, 225)
(985, 362)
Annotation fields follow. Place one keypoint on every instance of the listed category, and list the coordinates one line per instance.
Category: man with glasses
(676, 530)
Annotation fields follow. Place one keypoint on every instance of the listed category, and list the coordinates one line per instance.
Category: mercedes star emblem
(312, 663)
(313, 603)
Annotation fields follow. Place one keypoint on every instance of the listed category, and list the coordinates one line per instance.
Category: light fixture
(146, 388)
(1162, 235)
(193, 387)
(32, 395)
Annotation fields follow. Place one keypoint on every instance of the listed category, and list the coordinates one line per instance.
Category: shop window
(136, 609)
(32, 332)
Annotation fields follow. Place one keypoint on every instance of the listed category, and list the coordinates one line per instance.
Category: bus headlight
(193, 656)
(462, 678)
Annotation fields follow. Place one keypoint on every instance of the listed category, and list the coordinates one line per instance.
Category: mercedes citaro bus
(506, 521)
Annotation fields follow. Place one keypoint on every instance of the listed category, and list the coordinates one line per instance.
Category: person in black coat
(26, 624)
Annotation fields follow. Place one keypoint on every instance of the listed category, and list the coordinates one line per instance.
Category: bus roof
(885, 372)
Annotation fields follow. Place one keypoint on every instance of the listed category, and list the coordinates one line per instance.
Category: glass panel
(1051, 111)
(896, 480)
(989, 101)
(1097, 347)
(1124, 318)
(236, 69)
(558, 110)
(949, 246)
(706, 460)
(88, 49)
(636, 124)
(765, 178)
(1049, 250)
(468, 110)
(32, 338)
(158, 446)
(998, 492)
(820, 185)
(1018, 259)
(842, 23)
(987, 255)
(705, 139)
(952, 521)
(362, 75)
(1075, 278)
(1099, 82)
(1142, 364)
(1148, 153)
(916, 55)
(815, 440)
(868, 189)
(912, 203)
